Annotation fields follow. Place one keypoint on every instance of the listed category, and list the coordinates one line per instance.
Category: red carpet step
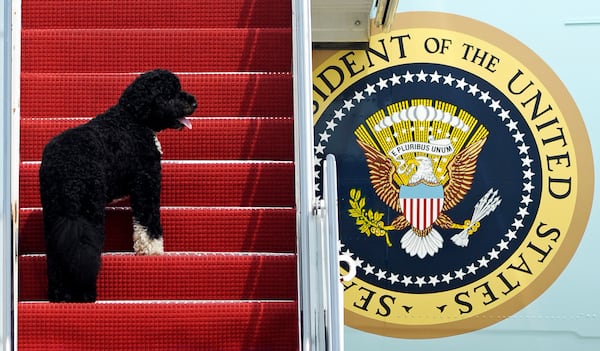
(196, 229)
(210, 183)
(225, 138)
(156, 14)
(179, 50)
(178, 276)
(218, 325)
(218, 95)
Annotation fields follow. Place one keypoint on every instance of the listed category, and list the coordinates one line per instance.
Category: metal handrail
(333, 292)
(320, 330)
(320, 290)
(9, 156)
(309, 310)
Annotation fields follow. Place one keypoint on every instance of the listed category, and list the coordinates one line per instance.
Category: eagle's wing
(461, 170)
(382, 172)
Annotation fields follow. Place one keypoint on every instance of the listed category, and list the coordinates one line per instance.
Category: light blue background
(566, 35)
(567, 315)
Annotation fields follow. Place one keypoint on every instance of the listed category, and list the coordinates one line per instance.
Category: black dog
(84, 168)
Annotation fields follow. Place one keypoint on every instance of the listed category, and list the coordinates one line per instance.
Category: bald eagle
(422, 189)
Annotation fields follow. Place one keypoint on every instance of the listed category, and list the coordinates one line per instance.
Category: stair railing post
(9, 156)
(320, 290)
(333, 291)
(306, 205)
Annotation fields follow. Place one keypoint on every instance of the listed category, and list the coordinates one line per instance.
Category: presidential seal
(465, 174)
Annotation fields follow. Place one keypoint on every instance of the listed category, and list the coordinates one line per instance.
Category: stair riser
(218, 95)
(187, 229)
(209, 139)
(187, 326)
(251, 184)
(177, 277)
(155, 14)
(109, 51)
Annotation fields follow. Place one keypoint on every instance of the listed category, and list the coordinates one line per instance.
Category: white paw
(143, 244)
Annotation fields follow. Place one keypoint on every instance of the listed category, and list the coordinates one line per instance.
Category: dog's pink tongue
(186, 122)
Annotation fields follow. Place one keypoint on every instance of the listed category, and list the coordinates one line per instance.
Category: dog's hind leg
(74, 256)
(58, 288)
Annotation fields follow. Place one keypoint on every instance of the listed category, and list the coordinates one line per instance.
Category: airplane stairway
(228, 278)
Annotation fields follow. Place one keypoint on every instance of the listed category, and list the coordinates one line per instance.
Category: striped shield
(421, 204)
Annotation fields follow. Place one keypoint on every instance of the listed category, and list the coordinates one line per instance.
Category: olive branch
(368, 221)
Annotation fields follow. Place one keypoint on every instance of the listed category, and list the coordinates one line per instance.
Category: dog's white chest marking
(157, 143)
(142, 244)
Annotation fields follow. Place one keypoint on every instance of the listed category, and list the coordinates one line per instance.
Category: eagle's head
(423, 172)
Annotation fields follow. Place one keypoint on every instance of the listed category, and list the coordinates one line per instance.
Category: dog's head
(155, 99)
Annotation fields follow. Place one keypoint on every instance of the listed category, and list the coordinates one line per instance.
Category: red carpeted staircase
(228, 279)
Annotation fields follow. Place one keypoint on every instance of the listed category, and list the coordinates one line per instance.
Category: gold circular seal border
(582, 199)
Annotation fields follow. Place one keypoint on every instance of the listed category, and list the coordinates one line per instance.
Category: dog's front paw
(143, 244)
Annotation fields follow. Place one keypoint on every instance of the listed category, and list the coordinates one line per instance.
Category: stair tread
(180, 50)
(185, 276)
(209, 183)
(225, 325)
(155, 14)
(224, 229)
(219, 95)
(250, 138)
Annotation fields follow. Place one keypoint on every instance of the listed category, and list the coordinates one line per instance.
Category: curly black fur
(86, 167)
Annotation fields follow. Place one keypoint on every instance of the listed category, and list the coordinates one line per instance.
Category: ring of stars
(484, 97)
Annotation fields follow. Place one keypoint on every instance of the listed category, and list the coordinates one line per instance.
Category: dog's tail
(77, 245)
